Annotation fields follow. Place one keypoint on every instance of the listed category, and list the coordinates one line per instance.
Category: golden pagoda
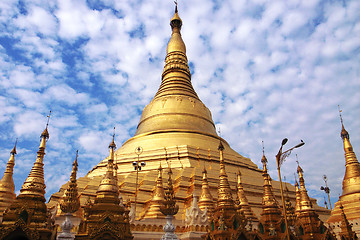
(206, 201)
(226, 222)
(7, 187)
(70, 202)
(106, 218)
(177, 125)
(157, 200)
(243, 202)
(308, 225)
(272, 225)
(27, 215)
(350, 196)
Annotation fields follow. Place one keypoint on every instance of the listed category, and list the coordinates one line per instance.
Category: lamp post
(280, 158)
(137, 166)
(326, 189)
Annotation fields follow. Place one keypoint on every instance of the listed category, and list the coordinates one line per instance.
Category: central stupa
(176, 130)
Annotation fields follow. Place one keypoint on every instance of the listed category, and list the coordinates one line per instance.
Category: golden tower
(106, 218)
(28, 212)
(243, 202)
(271, 224)
(351, 183)
(70, 202)
(206, 200)
(226, 222)
(7, 187)
(308, 225)
(157, 200)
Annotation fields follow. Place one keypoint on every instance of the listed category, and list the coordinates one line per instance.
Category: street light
(280, 158)
(326, 189)
(137, 166)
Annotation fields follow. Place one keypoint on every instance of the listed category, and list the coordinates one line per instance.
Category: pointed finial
(45, 133)
(176, 6)
(112, 144)
(341, 120)
(48, 116)
(13, 151)
(221, 147)
(76, 157)
(344, 133)
(263, 159)
(299, 169)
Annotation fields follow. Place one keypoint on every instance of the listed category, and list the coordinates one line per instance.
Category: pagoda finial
(264, 159)
(243, 202)
(224, 190)
(70, 202)
(108, 190)
(305, 202)
(13, 151)
(344, 134)
(176, 6)
(158, 198)
(112, 144)
(45, 134)
(206, 200)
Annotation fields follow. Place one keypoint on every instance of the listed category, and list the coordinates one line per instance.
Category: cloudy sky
(266, 69)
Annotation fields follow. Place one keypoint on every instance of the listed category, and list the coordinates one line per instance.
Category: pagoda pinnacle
(35, 183)
(268, 197)
(7, 187)
(70, 202)
(305, 203)
(157, 199)
(244, 203)
(108, 191)
(176, 77)
(206, 200)
(351, 182)
(224, 190)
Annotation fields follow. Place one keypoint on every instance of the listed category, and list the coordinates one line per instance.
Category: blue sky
(266, 70)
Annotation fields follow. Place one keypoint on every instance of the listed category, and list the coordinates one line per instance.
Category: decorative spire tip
(13, 151)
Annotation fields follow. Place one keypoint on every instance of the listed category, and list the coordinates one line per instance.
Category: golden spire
(206, 200)
(305, 203)
(298, 198)
(176, 105)
(176, 77)
(351, 182)
(108, 191)
(35, 183)
(224, 190)
(268, 197)
(169, 207)
(31, 200)
(70, 202)
(243, 202)
(157, 199)
(7, 187)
